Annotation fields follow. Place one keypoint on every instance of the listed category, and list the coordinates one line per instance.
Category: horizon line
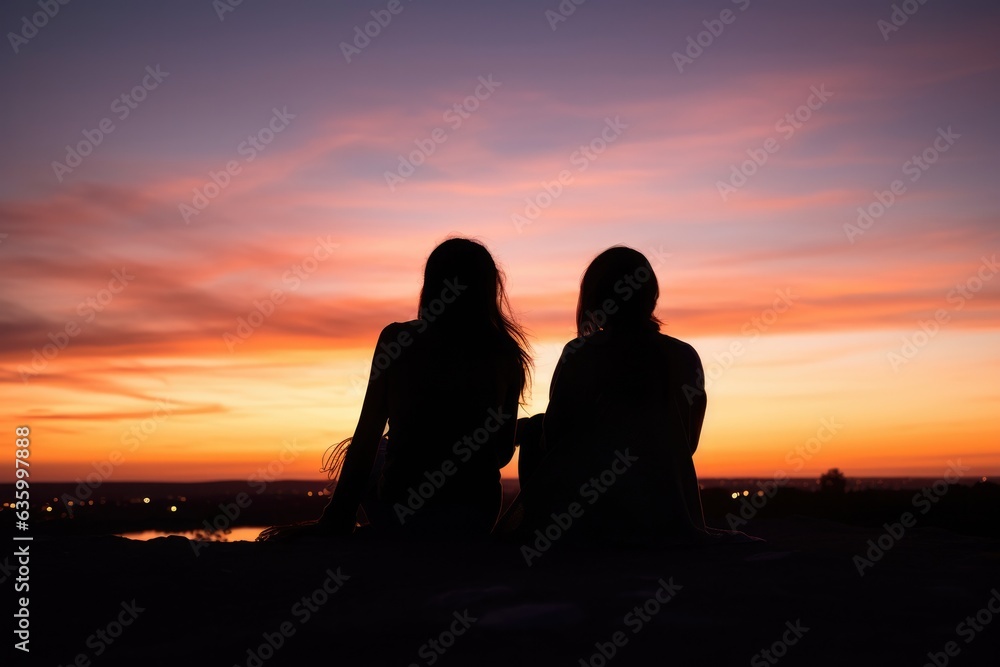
(985, 477)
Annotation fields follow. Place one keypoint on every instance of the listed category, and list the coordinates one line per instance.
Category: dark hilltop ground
(928, 593)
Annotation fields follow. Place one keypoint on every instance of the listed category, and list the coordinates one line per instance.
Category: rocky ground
(796, 599)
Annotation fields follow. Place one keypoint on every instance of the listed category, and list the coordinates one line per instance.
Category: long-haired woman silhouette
(448, 384)
(624, 418)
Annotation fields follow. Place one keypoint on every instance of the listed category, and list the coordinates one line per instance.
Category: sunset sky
(340, 161)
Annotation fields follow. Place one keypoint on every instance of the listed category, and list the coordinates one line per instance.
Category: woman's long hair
(464, 291)
(619, 290)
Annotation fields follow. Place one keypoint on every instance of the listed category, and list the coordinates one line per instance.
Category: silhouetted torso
(448, 394)
(624, 417)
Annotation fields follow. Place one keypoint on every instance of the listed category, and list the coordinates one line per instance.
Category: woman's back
(652, 378)
(628, 398)
(450, 396)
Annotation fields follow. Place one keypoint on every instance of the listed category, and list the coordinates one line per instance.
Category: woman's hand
(298, 531)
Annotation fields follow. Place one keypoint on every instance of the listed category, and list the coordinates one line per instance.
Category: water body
(238, 534)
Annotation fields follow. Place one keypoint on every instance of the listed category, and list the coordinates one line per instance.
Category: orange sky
(146, 300)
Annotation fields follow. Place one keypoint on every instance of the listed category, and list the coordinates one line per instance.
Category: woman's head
(461, 284)
(618, 292)
(464, 290)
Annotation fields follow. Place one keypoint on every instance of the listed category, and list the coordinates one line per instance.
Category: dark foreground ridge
(797, 599)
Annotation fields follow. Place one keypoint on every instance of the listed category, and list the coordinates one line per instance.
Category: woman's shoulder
(396, 337)
(464, 343)
(602, 338)
(678, 348)
(395, 329)
(580, 346)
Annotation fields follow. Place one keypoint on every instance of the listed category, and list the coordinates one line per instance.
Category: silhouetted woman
(625, 412)
(448, 383)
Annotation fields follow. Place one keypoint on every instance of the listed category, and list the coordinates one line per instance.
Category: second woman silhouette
(625, 412)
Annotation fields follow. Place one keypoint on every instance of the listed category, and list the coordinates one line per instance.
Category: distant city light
(736, 495)
(173, 508)
(309, 493)
(145, 500)
(48, 509)
(746, 493)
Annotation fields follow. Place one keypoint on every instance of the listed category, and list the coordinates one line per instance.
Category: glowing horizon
(219, 264)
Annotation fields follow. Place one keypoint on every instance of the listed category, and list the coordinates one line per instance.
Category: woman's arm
(505, 437)
(560, 413)
(694, 397)
(341, 513)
